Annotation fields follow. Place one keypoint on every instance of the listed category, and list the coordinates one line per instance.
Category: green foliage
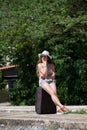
(4, 97)
(79, 112)
(72, 78)
(28, 27)
(0, 76)
(21, 95)
(2, 82)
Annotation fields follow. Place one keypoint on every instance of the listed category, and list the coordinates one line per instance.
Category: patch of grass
(4, 96)
(78, 112)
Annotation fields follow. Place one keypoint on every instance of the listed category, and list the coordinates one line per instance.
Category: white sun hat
(45, 53)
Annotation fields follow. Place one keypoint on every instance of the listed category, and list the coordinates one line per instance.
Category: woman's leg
(51, 90)
(53, 87)
(60, 107)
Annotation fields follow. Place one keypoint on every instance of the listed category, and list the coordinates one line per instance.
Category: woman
(46, 75)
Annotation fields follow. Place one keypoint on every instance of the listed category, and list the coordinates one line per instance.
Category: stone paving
(25, 118)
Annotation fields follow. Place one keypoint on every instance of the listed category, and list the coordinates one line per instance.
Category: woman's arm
(53, 74)
(42, 70)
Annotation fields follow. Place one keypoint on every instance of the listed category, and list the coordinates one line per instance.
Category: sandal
(59, 111)
(64, 109)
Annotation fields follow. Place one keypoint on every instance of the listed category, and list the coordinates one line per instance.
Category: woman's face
(44, 58)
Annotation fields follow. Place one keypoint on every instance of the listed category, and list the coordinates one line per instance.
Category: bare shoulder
(39, 65)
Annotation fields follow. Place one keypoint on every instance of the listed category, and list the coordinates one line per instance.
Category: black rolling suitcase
(43, 102)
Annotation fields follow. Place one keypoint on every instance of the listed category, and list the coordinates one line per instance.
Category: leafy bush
(28, 27)
(2, 82)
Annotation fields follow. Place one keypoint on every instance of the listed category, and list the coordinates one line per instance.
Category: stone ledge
(25, 118)
(41, 124)
(32, 108)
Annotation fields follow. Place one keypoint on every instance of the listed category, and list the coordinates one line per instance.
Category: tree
(59, 26)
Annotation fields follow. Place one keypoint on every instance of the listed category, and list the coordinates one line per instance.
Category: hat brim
(40, 54)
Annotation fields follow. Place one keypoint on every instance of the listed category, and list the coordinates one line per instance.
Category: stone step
(25, 118)
(32, 108)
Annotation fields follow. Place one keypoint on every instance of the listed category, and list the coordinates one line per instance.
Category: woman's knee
(53, 93)
(53, 87)
(49, 90)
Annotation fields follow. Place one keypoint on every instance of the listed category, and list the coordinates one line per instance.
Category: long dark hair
(40, 61)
